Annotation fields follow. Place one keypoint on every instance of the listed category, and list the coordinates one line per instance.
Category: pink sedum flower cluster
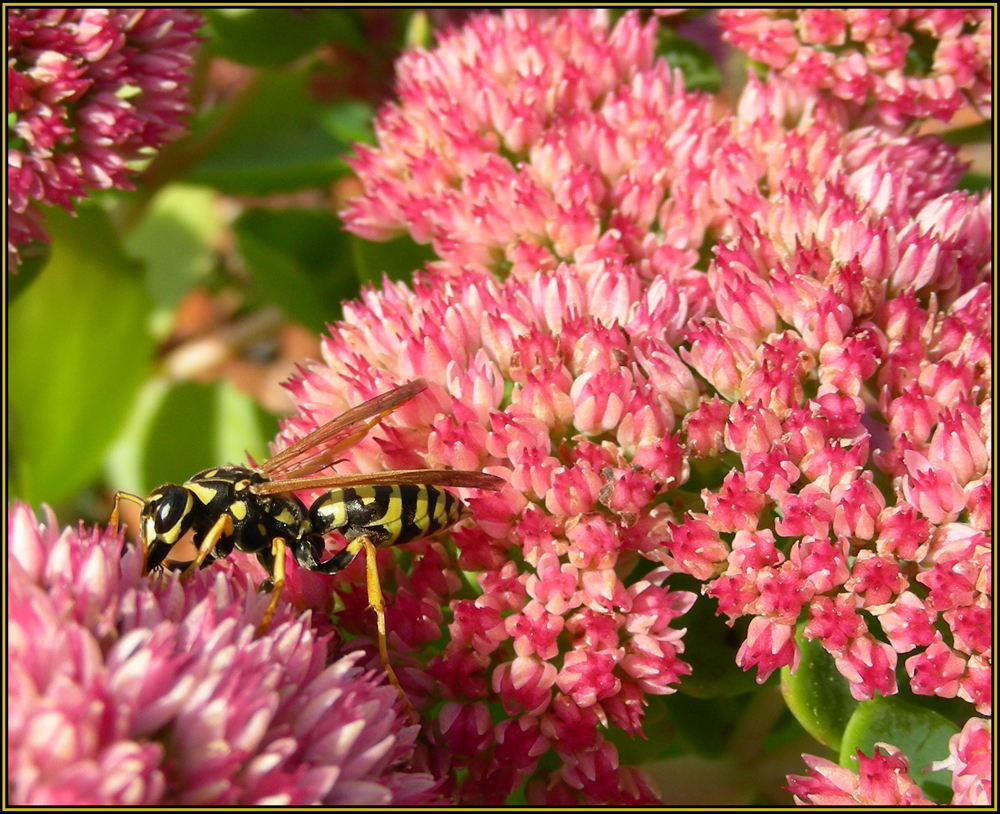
(753, 347)
(909, 62)
(132, 690)
(881, 780)
(884, 779)
(970, 760)
(88, 91)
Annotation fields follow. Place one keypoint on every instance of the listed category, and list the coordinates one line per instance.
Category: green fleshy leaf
(176, 239)
(239, 430)
(78, 351)
(397, 258)
(301, 260)
(975, 182)
(698, 66)
(33, 259)
(218, 424)
(274, 37)
(349, 122)
(703, 725)
(922, 735)
(981, 133)
(817, 694)
(123, 463)
(280, 140)
(180, 439)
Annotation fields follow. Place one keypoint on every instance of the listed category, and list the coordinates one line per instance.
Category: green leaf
(922, 735)
(817, 694)
(192, 427)
(33, 259)
(701, 72)
(274, 37)
(123, 463)
(300, 260)
(704, 725)
(349, 122)
(176, 239)
(398, 258)
(981, 133)
(279, 140)
(975, 182)
(78, 351)
(180, 439)
(239, 431)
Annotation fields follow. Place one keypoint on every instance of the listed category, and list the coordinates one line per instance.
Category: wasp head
(166, 518)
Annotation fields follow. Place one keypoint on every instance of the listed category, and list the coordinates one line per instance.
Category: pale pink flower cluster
(132, 690)
(88, 91)
(909, 62)
(632, 285)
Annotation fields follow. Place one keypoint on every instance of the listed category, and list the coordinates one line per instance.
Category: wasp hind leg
(377, 603)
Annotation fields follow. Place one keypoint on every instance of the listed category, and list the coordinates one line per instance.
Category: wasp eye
(171, 509)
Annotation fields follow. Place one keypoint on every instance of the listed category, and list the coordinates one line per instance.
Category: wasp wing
(433, 477)
(305, 456)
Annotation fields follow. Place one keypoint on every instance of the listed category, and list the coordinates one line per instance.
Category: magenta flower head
(89, 90)
(631, 286)
(133, 690)
(910, 62)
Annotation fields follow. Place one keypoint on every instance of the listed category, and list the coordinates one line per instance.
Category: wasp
(255, 509)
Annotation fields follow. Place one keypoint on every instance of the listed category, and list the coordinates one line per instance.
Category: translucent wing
(311, 454)
(434, 477)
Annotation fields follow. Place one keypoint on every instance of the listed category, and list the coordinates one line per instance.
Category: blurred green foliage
(92, 406)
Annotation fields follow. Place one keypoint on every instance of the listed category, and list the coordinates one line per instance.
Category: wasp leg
(138, 501)
(113, 520)
(277, 581)
(222, 527)
(377, 604)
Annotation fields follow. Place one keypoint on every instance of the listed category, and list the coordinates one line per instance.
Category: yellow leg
(138, 501)
(113, 520)
(377, 603)
(222, 526)
(277, 582)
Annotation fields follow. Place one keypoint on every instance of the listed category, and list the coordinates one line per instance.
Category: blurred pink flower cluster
(910, 62)
(635, 286)
(132, 690)
(88, 90)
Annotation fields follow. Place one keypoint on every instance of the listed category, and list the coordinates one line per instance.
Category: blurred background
(151, 337)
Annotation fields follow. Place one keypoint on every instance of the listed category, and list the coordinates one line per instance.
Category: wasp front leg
(223, 527)
(274, 562)
(113, 520)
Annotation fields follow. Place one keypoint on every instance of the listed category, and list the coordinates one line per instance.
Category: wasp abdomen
(387, 515)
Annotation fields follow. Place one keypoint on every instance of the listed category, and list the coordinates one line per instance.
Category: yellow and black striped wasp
(255, 509)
